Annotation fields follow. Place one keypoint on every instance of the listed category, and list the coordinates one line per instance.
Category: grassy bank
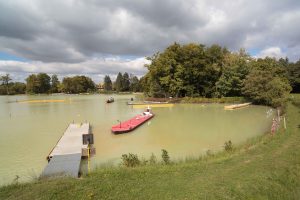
(267, 167)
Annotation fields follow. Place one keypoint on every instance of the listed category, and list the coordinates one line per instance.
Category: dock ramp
(65, 157)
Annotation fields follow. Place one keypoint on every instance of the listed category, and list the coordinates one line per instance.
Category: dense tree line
(193, 70)
(42, 83)
(78, 84)
(196, 70)
(10, 88)
(123, 83)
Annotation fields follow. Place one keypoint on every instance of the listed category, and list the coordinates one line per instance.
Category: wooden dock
(65, 157)
(235, 106)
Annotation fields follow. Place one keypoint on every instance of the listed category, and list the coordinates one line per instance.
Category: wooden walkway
(65, 157)
(235, 106)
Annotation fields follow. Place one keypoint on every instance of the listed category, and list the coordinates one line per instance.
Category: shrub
(165, 156)
(130, 160)
(228, 146)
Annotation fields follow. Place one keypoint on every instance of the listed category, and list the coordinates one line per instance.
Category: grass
(266, 167)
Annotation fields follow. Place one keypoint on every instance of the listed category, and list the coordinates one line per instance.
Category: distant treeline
(42, 83)
(123, 83)
(192, 70)
(195, 70)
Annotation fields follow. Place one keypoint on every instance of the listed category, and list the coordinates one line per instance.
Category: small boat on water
(133, 123)
(110, 100)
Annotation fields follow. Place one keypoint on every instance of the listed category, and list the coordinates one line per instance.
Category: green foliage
(118, 83)
(39, 83)
(134, 84)
(5, 81)
(13, 88)
(78, 84)
(130, 160)
(228, 146)
(165, 156)
(293, 74)
(235, 69)
(188, 70)
(107, 83)
(54, 84)
(267, 83)
(125, 82)
(194, 70)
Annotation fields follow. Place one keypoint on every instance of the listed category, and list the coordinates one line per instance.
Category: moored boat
(110, 100)
(133, 123)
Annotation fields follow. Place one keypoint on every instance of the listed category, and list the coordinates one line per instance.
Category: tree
(125, 82)
(293, 74)
(263, 87)
(54, 84)
(32, 84)
(107, 83)
(188, 70)
(119, 82)
(43, 83)
(17, 88)
(78, 84)
(134, 84)
(5, 81)
(235, 69)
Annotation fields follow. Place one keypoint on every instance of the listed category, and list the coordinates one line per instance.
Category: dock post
(88, 158)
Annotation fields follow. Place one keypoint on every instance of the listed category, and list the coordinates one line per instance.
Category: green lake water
(28, 131)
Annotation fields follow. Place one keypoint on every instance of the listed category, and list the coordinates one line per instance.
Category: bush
(165, 156)
(130, 160)
(228, 146)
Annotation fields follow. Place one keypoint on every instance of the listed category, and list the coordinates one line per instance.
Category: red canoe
(131, 124)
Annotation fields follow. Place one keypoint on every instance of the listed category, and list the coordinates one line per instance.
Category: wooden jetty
(153, 104)
(165, 105)
(65, 157)
(43, 101)
(235, 106)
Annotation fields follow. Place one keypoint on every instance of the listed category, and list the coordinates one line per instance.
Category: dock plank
(65, 157)
(63, 165)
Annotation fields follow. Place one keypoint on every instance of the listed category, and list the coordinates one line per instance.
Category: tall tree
(32, 84)
(234, 71)
(107, 83)
(54, 83)
(119, 82)
(43, 83)
(5, 81)
(125, 82)
(134, 84)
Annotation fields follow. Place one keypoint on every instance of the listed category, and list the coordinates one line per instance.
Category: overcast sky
(99, 37)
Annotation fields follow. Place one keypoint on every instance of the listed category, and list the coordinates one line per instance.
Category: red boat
(133, 123)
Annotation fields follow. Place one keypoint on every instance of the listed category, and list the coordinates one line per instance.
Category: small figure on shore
(274, 126)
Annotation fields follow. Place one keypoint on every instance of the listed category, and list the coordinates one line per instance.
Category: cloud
(273, 52)
(74, 33)
(94, 68)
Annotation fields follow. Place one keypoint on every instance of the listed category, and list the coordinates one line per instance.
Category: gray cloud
(95, 68)
(75, 31)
